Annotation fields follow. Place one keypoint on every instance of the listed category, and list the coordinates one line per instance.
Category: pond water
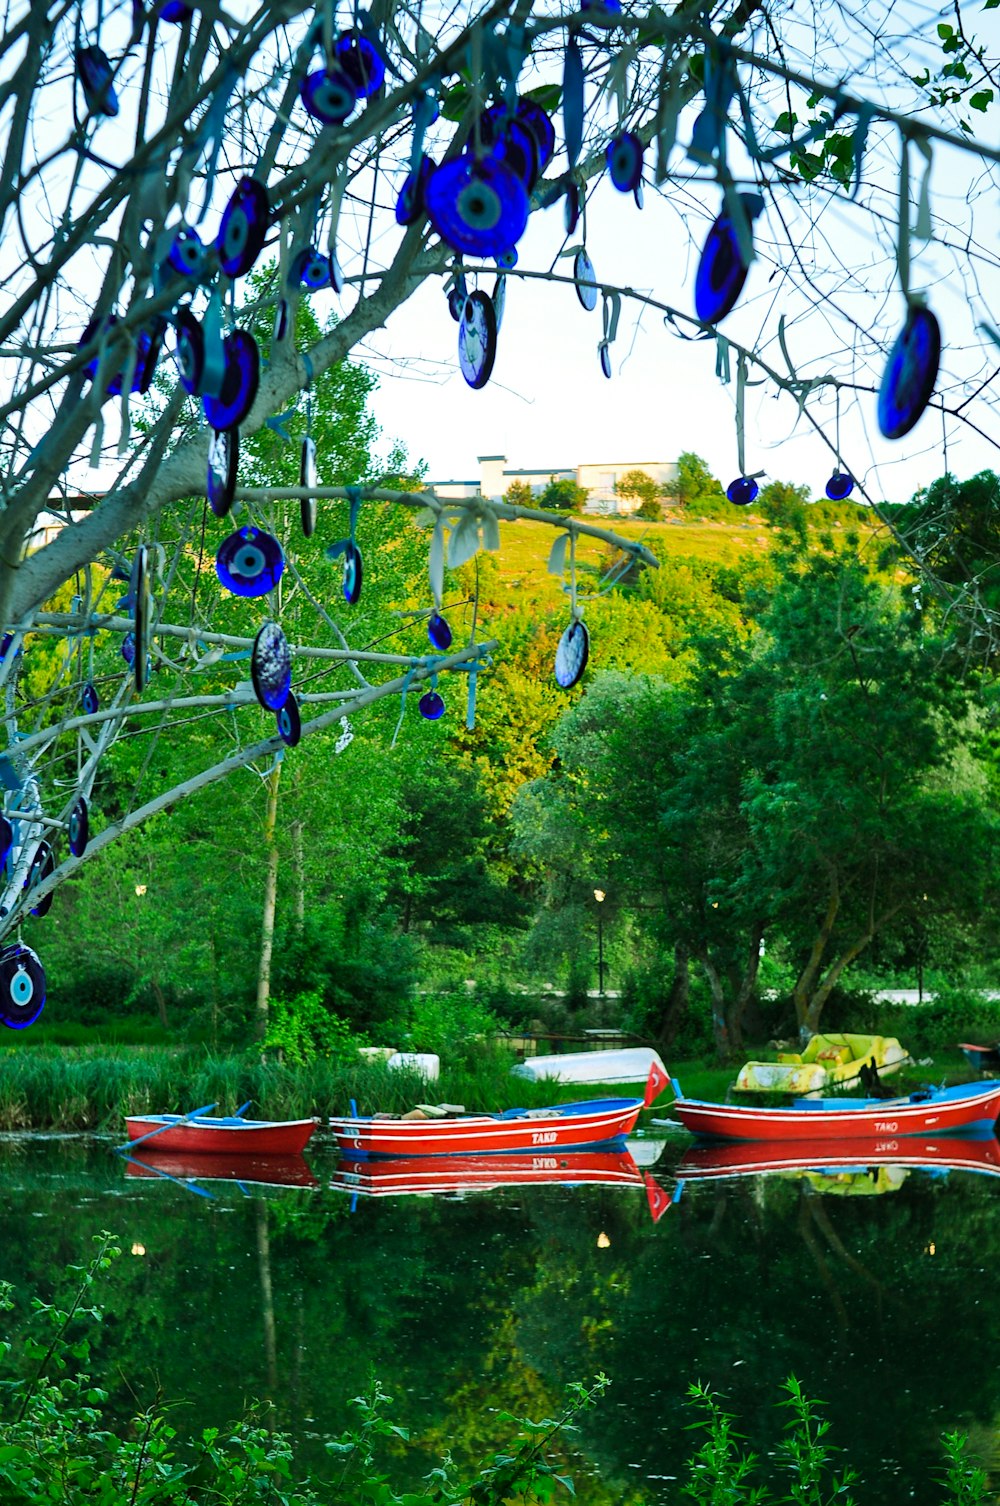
(878, 1289)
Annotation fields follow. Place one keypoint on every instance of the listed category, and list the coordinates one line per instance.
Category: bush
(449, 1024)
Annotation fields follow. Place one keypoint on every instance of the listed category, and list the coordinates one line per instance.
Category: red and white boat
(233, 1136)
(930, 1111)
(564, 1126)
(743, 1158)
(250, 1171)
(411, 1176)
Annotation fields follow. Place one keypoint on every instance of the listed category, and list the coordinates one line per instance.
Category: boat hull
(422, 1175)
(249, 1170)
(230, 1137)
(707, 1161)
(949, 1111)
(602, 1122)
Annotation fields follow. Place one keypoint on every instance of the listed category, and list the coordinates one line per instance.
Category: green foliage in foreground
(57, 1444)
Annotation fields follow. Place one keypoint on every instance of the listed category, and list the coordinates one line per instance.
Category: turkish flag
(658, 1200)
(655, 1083)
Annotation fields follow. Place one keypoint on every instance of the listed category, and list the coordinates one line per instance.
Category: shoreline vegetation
(59, 1442)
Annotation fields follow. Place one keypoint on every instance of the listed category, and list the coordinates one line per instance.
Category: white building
(495, 477)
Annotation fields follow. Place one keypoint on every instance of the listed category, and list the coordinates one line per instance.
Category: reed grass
(79, 1088)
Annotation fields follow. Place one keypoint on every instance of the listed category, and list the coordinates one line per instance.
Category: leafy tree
(694, 483)
(784, 505)
(563, 494)
(639, 485)
(519, 494)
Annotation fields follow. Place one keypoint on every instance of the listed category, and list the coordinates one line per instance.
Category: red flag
(655, 1083)
(658, 1200)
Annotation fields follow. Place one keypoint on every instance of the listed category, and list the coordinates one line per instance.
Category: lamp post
(599, 896)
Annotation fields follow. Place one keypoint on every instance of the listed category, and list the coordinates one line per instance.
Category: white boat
(628, 1064)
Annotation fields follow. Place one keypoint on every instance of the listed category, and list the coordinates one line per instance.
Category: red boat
(415, 1175)
(930, 1111)
(234, 1136)
(745, 1159)
(564, 1126)
(252, 1170)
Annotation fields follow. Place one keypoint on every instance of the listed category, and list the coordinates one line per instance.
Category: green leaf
(549, 96)
(786, 122)
(984, 98)
(945, 31)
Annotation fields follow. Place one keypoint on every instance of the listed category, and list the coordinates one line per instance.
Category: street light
(599, 896)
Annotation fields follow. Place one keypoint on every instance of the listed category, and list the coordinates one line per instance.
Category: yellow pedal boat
(826, 1060)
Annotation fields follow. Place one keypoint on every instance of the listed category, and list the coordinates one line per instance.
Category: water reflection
(886, 1306)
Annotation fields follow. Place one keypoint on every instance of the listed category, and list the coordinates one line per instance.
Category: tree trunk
(807, 978)
(748, 984)
(826, 987)
(720, 1029)
(677, 999)
(270, 904)
(161, 1003)
(299, 869)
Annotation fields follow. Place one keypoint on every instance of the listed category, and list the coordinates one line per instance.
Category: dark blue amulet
(477, 339)
(439, 632)
(78, 827)
(742, 491)
(354, 574)
(250, 562)
(22, 986)
(42, 865)
(223, 460)
(431, 706)
(271, 667)
(243, 227)
(239, 383)
(910, 374)
(624, 156)
(479, 208)
(722, 270)
(572, 654)
(328, 95)
(289, 721)
(839, 486)
(95, 73)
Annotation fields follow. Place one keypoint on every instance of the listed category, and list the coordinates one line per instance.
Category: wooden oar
(171, 1124)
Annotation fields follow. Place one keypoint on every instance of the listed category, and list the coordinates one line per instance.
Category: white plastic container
(424, 1062)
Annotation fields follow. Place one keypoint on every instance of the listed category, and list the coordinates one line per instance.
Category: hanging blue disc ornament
(410, 204)
(477, 339)
(839, 486)
(310, 270)
(6, 839)
(128, 649)
(585, 278)
(281, 320)
(249, 562)
(722, 270)
(910, 373)
(187, 254)
(95, 74)
(624, 156)
(239, 385)
(223, 459)
(510, 140)
(538, 123)
(289, 721)
(308, 477)
(457, 296)
(477, 208)
(601, 7)
(431, 706)
(439, 632)
(243, 229)
(742, 491)
(604, 351)
(638, 196)
(572, 654)
(271, 667)
(148, 343)
(176, 10)
(42, 865)
(328, 95)
(89, 699)
(189, 351)
(142, 611)
(571, 208)
(79, 827)
(361, 61)
(353, 577)
(22, 986)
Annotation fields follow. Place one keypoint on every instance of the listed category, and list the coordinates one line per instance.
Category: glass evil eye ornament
(42, 865)
(223, 459)
(79, 827)
(239, 384)
(410, 204)
(189, 350)
(431, 706)
(572, 654)
(310, 270)
(289, 721)
(95, 73)
(534, 119)
(187, 255)
(457, 297)
(250, 562)
(742, 491)
(910, 373)
(477, 208)
(585, 278)
(329, 95)
(360, 60)
(439, 632)
(722, 270)
(128, 649)
(839, 486)
(571, 208)
(625, 162)
(353, 574)
(6, 839)
(308, 478)
(142, 609)
(89, 699)
(477, 339)
(271, 667)
(22, 986)
(243, 228)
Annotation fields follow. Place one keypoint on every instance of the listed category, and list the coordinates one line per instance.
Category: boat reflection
(861, 1166)
(245, 1171)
